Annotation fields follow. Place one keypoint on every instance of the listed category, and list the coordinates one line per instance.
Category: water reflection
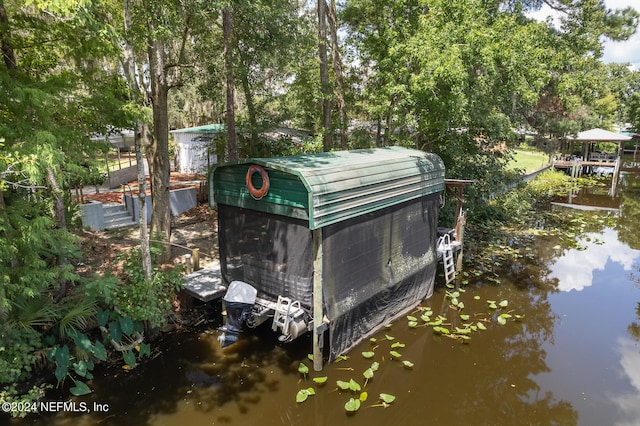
(629, 402)
(628, 225)
(575, 269)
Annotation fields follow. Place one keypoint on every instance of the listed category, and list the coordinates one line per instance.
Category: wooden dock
(566, 164)
(205, 284)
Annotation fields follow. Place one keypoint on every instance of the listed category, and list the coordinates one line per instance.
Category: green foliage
(10, 395)
(142, 300)
(17, 347)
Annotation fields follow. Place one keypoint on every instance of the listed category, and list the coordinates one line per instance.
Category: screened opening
(272, 253)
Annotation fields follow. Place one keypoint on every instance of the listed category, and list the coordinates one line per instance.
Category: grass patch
(528, 160)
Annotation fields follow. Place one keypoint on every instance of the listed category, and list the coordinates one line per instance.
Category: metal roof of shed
(331, 187)
(207, 128)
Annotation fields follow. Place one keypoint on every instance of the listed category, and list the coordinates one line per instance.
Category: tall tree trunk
(337, 69)
(61, 223)
(324, 76)
(142, 199)
(8, 53)
(141, 138)
(158, 150)
(251, 110)
(227, 31)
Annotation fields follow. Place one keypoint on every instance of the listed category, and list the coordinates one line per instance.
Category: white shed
(196, 147)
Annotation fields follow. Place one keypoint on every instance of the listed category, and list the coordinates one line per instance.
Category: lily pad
(342, 384)
(303, 394)
(388, 398)
(352, 405)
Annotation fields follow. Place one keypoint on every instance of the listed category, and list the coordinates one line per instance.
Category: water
(574, 359)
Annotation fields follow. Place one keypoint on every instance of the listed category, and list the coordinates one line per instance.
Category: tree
(227, 30)
(161, 37)
(327, 139)
(55, 90)
(142, 134)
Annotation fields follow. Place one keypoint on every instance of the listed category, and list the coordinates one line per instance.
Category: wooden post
(318, 313)
(616, 169)
(195, 258)
(462, 220)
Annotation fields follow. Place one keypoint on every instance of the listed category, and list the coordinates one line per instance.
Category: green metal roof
(207, 128)
(330, 187)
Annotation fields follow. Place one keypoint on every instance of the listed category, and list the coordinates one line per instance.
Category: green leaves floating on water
(504, 304)
(398, 345)
(387, 398)
(352, 405)
(303, 394)
(368, 355)
(320, 380)
(368, 373)
(342, 384)
(395, 354)
(407, 364)
(303, 369)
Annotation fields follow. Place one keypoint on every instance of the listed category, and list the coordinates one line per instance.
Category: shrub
(143, 300)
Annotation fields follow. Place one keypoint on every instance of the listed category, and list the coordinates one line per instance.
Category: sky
(621, 52)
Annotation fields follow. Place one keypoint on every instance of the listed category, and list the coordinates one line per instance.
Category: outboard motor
(239, 301)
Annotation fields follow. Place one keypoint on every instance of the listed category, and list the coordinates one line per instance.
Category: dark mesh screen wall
(376, 267)
(272, 253)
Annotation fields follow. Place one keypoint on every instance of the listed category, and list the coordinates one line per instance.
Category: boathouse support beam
(318, 313)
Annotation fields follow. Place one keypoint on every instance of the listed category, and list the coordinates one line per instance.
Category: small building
(196, 147)
(343, 242)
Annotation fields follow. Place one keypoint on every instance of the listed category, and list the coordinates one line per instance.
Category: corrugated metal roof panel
(330, 187)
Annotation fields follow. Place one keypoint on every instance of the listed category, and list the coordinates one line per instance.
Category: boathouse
(343, 242)
(590, 160)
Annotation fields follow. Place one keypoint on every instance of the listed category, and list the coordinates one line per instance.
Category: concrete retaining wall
(180, 200)
(125, 175)
(93, 216)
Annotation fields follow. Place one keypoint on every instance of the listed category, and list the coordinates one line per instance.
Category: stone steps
(116, 216)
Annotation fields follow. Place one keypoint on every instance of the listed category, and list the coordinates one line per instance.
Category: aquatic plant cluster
(459, 326)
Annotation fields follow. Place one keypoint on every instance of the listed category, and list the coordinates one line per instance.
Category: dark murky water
(573, 359)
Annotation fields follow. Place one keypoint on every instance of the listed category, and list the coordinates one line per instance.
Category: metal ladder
(444, 245)
(283, 314)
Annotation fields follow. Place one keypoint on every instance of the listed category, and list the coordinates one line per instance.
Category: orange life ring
(257, 193)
